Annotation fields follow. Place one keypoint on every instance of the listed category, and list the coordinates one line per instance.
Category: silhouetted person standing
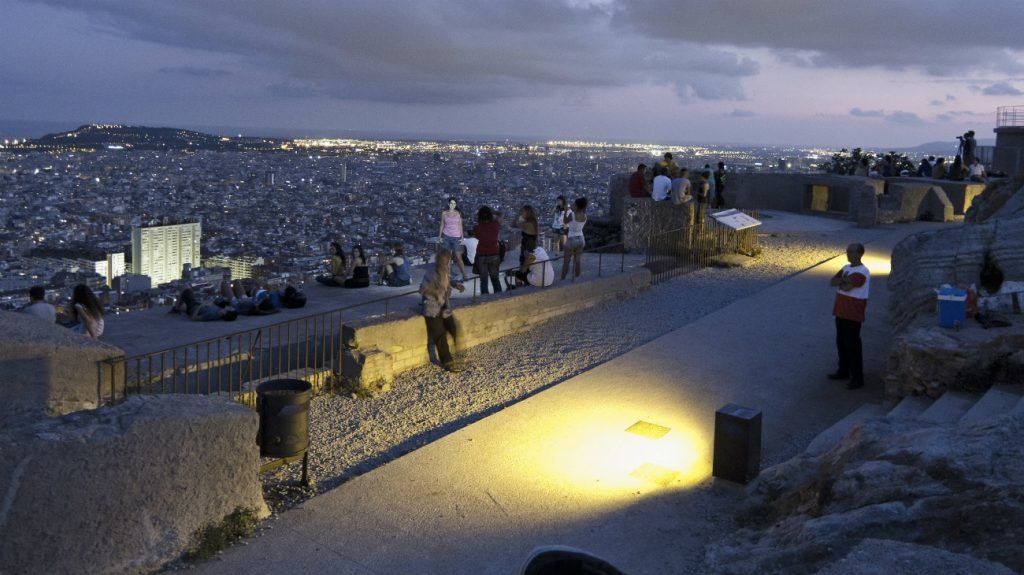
(852, 285)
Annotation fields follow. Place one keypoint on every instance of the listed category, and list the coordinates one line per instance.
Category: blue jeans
(488, 266)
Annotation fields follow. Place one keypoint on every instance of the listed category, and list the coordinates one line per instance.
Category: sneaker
(452, 367)
(559, 560)
(458, 285)
(838, 376)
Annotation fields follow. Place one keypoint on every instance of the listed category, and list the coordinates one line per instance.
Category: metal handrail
(242, 358)
(1008, 116)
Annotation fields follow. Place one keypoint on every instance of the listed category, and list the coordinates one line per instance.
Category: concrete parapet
(123, 489)
(46, 369)
(384, 350)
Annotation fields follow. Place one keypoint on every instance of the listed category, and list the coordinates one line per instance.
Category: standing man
(720, 185)
(853, 283)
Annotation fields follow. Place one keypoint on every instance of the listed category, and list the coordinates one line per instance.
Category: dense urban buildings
(269, 208)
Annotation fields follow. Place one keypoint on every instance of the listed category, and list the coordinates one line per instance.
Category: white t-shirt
(660, 188)
(470, 244)
(541, 273)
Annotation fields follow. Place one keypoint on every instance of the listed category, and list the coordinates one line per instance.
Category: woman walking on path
(436, 290)
(86, 312)
(449, 236)
(574, 221)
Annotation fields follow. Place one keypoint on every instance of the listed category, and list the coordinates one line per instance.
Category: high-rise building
(161, 251)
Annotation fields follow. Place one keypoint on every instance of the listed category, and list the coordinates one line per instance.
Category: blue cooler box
(952, 307)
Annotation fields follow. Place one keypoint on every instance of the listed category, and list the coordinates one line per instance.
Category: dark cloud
(908, 118)
(867, 113)
(1001, 89)
(194, 71)
(432, 51)
(934, 37)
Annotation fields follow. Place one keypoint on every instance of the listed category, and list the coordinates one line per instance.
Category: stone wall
(381, 351)
(46, 369)
(924, 261)
(123, 489)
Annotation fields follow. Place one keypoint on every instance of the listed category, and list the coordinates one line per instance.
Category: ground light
(606, 452)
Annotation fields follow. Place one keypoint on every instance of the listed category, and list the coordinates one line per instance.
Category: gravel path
(351, 436)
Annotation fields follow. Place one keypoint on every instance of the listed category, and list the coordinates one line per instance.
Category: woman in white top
(575, 220)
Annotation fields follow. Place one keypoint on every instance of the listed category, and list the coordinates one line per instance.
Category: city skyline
(871, 74)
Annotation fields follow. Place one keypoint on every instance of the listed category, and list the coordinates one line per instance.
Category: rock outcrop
(930, 492)
(123, 489)
(924, 261)
(929, 360)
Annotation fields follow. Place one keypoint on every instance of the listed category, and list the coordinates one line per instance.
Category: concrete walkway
(560, 467)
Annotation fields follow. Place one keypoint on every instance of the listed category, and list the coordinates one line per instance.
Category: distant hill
(116, 136)
(939, 148)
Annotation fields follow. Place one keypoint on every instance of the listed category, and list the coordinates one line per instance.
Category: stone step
(910, 407)
(949, 408)
(828, 438)
(997, 401)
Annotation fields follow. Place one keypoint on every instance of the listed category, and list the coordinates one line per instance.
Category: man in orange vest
(852, 284)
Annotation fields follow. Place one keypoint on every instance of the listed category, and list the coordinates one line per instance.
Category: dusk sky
(795, 72)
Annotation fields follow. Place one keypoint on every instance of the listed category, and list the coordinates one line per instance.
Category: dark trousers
(488, 268)
(851, 357)
(438, 329)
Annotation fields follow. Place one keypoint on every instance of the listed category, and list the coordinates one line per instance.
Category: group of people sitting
(237, 299)
(931, 167)
(668, 181)
(84, 314)
(354, 271)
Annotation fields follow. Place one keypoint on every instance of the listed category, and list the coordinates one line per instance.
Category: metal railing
(696, 245)
(308, 348)
(1007, 116)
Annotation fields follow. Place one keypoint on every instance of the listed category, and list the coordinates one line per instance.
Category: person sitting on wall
(360, 269)
(395, 273)
(939, 169)
(639, 187)
(38, 307)
(661, 187)
(539, 271)
(337, 268)
(976, 172)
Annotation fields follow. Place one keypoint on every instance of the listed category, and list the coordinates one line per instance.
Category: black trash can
(283, 407)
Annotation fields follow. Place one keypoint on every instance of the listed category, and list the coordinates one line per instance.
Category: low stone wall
(46, 369)
(381, 351)
(123, 489)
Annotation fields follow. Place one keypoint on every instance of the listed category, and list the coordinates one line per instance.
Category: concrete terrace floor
(560, 467)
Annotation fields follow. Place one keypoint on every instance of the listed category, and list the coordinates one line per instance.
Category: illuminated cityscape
(283, 201)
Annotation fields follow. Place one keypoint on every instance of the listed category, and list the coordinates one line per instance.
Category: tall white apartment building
(161, 251)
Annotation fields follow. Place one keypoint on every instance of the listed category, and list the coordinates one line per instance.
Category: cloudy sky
(804, 72)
